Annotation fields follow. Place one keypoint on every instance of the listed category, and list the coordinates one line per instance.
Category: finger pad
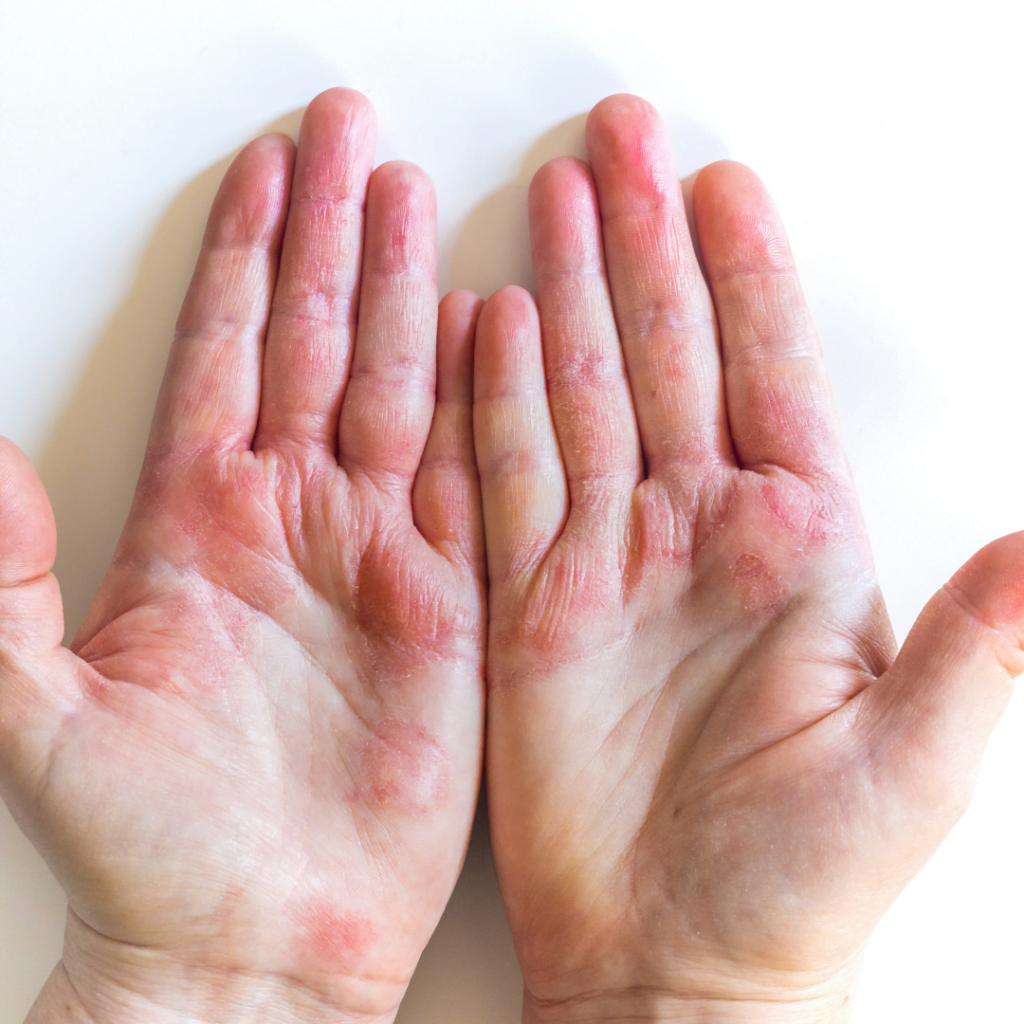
(629, 149)
(508, 345)
(28, 535)
(993, 582)
(740, 229)
(253, 194)
(564, 220)
(337, 124)
(401, 219)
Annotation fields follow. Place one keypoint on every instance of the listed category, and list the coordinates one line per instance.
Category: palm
(262, 759)
(691, 751)
(236, 669)
(686, 781)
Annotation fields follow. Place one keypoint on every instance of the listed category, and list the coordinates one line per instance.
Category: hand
(707, 775)
(255, 775)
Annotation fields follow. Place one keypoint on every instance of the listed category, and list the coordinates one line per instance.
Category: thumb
(37, 675)
(28, 536)
(931, 714)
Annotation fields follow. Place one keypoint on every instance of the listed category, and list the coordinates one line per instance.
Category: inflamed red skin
(255, 771)
(708, 771)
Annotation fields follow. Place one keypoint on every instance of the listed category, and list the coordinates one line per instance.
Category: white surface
(888, 133)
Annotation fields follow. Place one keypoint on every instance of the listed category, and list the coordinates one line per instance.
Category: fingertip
(460, 306)
(621, 110)
(507, 335)
(344, 102)
(512, 305)
(401, 222)
(269, 146)
(991, 584)
(565, 220)
(727, 186)
(28, 533)
(405, 181)
(738, 224)
(457, 315)
(631, 154)
(253, 195)
(727, 173)
(337, 139)
(342, 115)
(560, 183)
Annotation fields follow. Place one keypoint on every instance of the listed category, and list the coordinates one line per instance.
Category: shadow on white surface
(492, 247)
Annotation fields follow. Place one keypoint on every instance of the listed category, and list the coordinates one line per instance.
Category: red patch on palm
(221, 519)
(403, 769)
(803, 511)
(406, 606)
(333, 940)
(186, 642)
(579, 585)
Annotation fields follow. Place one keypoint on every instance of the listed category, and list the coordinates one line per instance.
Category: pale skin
(255, 771)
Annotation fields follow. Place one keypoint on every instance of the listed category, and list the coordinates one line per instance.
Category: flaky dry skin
(707, 775)
(256, 774)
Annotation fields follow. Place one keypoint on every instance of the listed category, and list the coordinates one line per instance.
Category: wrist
(99, 981)
(639, 1008)
(741, 1001)
(61, 1001)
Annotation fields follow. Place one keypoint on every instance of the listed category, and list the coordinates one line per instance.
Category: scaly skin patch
(221, 517)
(405, 606)
(761, 588)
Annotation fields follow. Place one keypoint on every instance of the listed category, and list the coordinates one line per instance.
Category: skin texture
(255, 771)
(709, 772)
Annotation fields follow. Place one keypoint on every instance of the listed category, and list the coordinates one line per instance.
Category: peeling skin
(185, 644)
(761, 589)
(662, 532)
(809, 517)
(575, 584)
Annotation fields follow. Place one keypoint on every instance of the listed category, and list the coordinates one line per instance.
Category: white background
(889, 134)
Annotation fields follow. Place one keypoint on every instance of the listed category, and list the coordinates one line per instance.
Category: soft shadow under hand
(492, 248)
